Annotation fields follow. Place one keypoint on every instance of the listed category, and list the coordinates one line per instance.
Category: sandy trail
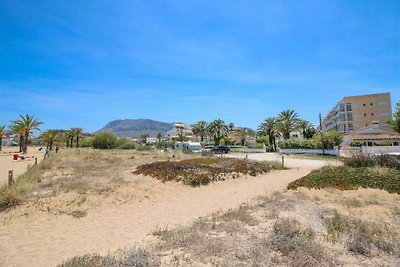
(46, 240)
(20, 166)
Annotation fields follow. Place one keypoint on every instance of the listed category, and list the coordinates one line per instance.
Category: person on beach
(46, 152)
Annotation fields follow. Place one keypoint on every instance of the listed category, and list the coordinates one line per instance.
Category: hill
(135, 127)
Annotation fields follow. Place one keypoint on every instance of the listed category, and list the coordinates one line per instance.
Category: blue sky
(85, 63)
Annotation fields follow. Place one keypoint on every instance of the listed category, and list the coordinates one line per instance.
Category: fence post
(283, 161)
(10, 177)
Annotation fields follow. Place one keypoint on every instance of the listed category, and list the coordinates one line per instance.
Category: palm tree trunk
(1, 142)
(26, 144)
(77, 141)
(21, 143)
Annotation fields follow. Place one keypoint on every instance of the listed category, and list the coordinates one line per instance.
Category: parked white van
(192, 146)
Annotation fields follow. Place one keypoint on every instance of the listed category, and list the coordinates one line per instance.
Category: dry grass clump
(138, 257)
(201, 171)
(298, 244)
(78, 171)
(237, 238)
(348, 178)
(361, 237)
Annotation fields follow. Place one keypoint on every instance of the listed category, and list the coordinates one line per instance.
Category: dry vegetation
(201, 171)
(312, 228)
(79, 174)
(381, 172)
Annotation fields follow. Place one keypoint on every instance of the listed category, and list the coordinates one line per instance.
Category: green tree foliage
(77, 132)
(243, 134)
(25, 127)
(49, 137)
(217, 129)
(181, 134)
(125, 143)
(288, 121)
(200, 129)
(104, 140)
(396, 118)
(330, 139)
(2, 133)
(269, 128)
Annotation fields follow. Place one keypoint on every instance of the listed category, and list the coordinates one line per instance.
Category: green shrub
(390, 161)
(385, 143)
(256, 145)
(347, 178)
(330, 139)
(201, 171)
(86, 142)
(104, 140)
(126, 143)
(356, 143)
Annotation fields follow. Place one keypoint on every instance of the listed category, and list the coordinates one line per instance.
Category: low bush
(127, 257)
(347, 178)
(360, 160)
(126, 143)
(298, 144)
(201, 171)
(356, 143)
(104, 140)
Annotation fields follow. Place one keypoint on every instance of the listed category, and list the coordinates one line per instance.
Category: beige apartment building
(355, 112)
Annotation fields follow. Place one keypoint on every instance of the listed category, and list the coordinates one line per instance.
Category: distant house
(373, 135)
(187, 131)
(8, 140)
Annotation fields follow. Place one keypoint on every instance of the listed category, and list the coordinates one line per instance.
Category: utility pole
(322, 136)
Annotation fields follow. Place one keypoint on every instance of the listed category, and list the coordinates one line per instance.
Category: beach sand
(18, 166)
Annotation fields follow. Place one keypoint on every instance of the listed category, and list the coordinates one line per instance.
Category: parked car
(208, 148)
(221, 149)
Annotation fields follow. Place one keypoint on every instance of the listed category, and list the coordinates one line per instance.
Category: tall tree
(243, 134)
(2, 133)
(231, 126)
(200, 129)
(17, 128)
(269, 128)
(396, 118)
(143, 137)
(50, 136)
(27, 125)
(288, 121)
(217, 129)
(304, 125)
(77, 133)
(181, 134)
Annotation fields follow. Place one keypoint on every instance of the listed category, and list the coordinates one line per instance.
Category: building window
(371, 104)
(365, 114)
(341, 107)
(396, 143)
(348, 107)
(383, 104)
(351, 128)
(366, 124)
(372, 114)
(364, 105)
(349, 116)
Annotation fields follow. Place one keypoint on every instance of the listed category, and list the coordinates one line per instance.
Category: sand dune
(30, 237)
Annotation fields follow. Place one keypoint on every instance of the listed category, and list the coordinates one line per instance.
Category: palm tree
(2, 133)
(69, 137)
(181, 134)
(243, 134)
(231, 126)
(287, 122)
(304, 125)
(143, 137)
(217, 129)
(50, 136)
(77, 132)
(17, 128)
(200, 129)
(268, 127)
(27, 124)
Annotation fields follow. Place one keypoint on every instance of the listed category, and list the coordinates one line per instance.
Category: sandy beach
(127, 216)
(18, 166)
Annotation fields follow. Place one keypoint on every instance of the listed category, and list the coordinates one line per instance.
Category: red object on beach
(15, 157)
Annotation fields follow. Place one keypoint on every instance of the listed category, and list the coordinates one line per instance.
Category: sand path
(18, 166)
(46, 240)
